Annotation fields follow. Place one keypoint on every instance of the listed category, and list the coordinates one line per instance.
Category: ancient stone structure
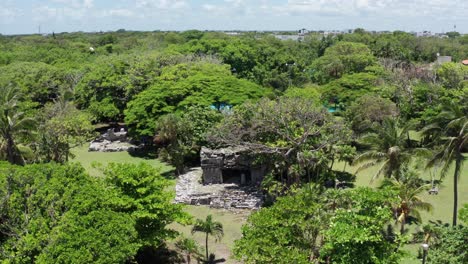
(231, 165)
(230, 196)
(112, 141)
(228, 178)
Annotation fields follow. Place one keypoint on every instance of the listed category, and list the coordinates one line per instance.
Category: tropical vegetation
(309, 108)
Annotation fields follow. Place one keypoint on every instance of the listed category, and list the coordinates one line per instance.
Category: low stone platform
(190, 190)
(112, 141)
(109, 146)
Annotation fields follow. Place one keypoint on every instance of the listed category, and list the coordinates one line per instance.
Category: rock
(227, 196)
(113, 142)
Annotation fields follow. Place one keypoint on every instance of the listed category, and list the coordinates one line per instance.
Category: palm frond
(380, 171)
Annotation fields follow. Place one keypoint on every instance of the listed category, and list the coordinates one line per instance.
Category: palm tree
(449, 133)
(209, 227)
(13, 122)
(409, 189)
(390, 147)
(190, 248)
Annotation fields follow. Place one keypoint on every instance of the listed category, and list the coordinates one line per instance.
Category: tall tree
(185, 85)
(389, 147)
(62, 128)
(450, 132)
(451, 245)
(209, 227)
(409, 189)
(190, 247)
(51, 213)
(342, 58)
(179, 138)
(13, 122)
(145, 197)
(369, 110)
(283, 129)
(312, 226)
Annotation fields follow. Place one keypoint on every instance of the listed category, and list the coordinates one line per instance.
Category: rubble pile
(190, 190)
(112, 141)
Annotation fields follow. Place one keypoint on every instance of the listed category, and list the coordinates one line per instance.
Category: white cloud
(75, 3)
(232, 7)
(47, 13)
(376, 7)
(8, 12)
(63, 10)
(210, 8)
(119, 12)
(162, 4)
(8, 15)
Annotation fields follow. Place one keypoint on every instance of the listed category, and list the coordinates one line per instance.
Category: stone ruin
(228, 178)
(230, 196)
(231, 165)
(112, 141)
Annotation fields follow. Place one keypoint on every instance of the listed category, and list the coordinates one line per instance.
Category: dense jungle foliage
(363, 99)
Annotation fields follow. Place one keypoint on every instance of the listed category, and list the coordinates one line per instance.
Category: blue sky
(25, 16)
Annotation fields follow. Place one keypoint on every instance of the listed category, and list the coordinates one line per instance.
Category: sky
(26, 16)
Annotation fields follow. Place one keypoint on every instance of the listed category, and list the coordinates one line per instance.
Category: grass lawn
(442, 203)
(88, 159)
(232, 224)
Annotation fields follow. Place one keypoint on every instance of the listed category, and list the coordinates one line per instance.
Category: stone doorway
(239, 177)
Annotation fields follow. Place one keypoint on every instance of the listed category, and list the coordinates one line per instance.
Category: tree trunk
(332, 163)
(10, 149)
(13, 156)
(67, 152)
(408, 139)
(458, 161)
(402, 228)
(206, 241)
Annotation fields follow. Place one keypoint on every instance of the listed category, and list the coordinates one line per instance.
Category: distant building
(289, 37)
(424, 34)
(232, 33)
(303, 32)
(443, 59)
(441, 35)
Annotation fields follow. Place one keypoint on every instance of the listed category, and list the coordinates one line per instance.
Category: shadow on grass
(212, 260)
(144, 153)
(152, 255)
(170, 175)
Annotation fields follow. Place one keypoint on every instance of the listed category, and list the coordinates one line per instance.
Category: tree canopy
(58, 213)
(306, 226)
(185, 85)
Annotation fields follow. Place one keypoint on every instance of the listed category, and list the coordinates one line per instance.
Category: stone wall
(214, 161)
(212, 174)
(189, 190)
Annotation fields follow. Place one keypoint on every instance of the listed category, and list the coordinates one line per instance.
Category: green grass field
(442, 202)
(232, 224)
(89, 160)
